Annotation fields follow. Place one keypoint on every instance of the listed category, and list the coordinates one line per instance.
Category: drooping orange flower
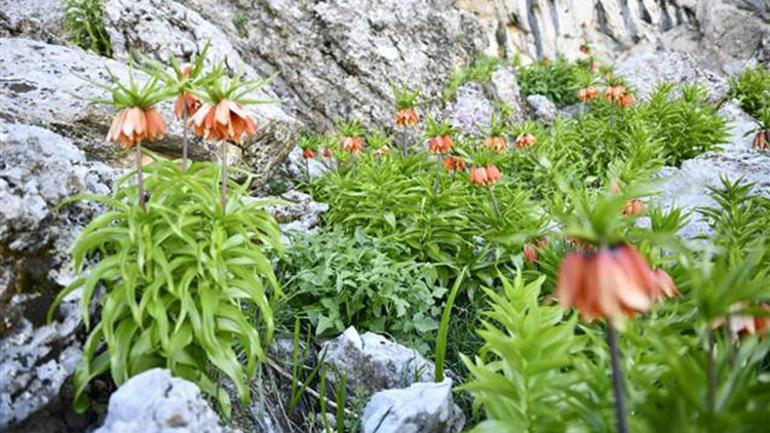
(133, 125)
(353, 144)
(327, 152)
(627, 100)
(440, 144)
(381, 152)
(226, 120)
(614, 93)
(761, 140)
(493, 174)
(478, 176)
(610, 282)
(525, 141)
(308, 153)
(743, 325)
(454, 163)
(588, 93)
(496, 143)
(530, 253)
(407, 117)
(633, 207)
(666, 286)
(585, 49)
(186, 100)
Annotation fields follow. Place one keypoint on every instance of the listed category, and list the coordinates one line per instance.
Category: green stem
(712, 371)
(443, 329)
(184, 139)
(223, 182)
(617, 378)
(139, 174)
(493, 200)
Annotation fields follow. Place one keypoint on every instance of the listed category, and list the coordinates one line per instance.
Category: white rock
(645, 68)
(421, 408)
(372, 362)
(156, 402)
(543, 108)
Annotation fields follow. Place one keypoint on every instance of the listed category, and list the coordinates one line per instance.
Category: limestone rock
(421, 408)
(372, 362)
(35, 362)
(158, 28)
(298, 168)
(504, 87)
(300, 212)
(543, 109)
(721, 30)
(156, 402)
(645, 68)
(37, 19)
(336, 59)
(688, 187)
(471, 110)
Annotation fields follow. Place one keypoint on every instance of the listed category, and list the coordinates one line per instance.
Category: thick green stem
(139, 174)
(493, 200)
(184, 139)
(437, 181)
(223, 183)
(617, 378)
(712, 371)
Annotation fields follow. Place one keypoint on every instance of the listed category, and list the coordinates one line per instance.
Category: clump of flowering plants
(187, 279)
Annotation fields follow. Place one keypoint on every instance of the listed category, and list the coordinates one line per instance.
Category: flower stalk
(617, 378)
(139, 175)
(223, 181)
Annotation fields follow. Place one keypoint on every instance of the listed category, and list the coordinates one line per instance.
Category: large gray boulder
(420, 408)
(35, 362)
(38, 169)
(37, 19)
(645, 68)
(336, 59)
(156, 402)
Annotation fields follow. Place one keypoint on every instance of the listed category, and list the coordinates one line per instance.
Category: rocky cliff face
(724, 31)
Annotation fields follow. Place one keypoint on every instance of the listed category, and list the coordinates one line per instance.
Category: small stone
(420, 408)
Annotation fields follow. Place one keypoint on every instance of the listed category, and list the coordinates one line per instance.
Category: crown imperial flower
(133, 125)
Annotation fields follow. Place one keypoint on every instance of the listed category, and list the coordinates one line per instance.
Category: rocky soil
(331, 59)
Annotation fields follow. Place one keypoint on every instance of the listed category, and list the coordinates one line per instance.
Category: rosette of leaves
(187, 286)
(752, 89)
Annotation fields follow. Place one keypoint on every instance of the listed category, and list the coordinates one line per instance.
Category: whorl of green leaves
(520, 380)
(187, 286)
(752, 89)
(84, 21)
(559, 80)
(686, 125)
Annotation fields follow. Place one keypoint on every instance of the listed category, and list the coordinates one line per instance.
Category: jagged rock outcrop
(719, 29)
(156, 402)
(644, 68)
(337, 59)
(39, 169)
(35, 362)
(37, 19)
